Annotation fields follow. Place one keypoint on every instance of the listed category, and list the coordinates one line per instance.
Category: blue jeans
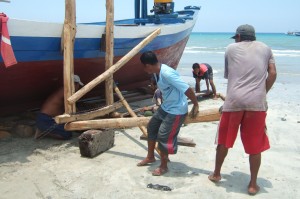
(46, 123)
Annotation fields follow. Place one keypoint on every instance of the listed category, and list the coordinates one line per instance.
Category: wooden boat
(37, 48)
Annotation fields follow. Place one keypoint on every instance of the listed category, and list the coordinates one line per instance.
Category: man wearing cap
(53, 106)
(204, 71)
(251, 72)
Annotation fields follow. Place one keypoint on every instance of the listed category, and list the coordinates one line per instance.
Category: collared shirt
(173, 90)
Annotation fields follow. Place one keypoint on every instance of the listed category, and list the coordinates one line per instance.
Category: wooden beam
(129, 109)
(109, 55)
(208, 115)
(69, 37)
(220, 95)
(132, 113)
(106, 123)
(61, 119)
(113, 68)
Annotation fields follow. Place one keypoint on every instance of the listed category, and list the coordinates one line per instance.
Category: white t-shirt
(246, 65)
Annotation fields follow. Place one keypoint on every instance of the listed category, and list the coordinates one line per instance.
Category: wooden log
(203, 94)
(129, 109)
(69, 37)
(113, 68)
(106, 123)
(135, 110)
(109, 55)
(94, 142)
(89, 115)
(183, 141)
(204, 116)
(208, 115)
(220, 95)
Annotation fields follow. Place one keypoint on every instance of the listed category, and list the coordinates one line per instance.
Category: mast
(137, 8)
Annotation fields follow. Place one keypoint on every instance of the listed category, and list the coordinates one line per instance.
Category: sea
(210, 48)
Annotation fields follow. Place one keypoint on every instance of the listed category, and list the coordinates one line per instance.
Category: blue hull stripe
(28, 49)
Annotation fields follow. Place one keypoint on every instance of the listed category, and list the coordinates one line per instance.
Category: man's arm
(272, 74)
(191, 95)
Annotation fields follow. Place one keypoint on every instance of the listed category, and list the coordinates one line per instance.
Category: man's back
(173, 91)
(54, 105)
(246, 65)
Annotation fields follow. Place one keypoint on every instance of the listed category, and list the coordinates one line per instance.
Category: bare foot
(159, 171)
(253, 190)
(146, 161)
(212, 177)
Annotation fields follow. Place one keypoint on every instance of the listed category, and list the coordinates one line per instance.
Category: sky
(215, 15)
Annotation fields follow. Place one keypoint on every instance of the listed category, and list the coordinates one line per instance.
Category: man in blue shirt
(165, 124)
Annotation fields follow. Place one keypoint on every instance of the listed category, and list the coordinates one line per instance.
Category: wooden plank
(69, 37)
(183, 141)
(203, 116)
(109, 49)
(113, 68)
(61, 119)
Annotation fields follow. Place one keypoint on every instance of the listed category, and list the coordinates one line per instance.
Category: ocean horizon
(209, 47)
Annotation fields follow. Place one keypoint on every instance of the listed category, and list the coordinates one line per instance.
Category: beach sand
(51, 169)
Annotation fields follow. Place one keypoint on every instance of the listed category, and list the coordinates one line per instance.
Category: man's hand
(194, 112)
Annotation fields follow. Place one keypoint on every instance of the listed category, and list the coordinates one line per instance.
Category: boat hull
(39, 71)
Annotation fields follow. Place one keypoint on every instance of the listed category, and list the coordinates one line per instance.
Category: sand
(51, 169)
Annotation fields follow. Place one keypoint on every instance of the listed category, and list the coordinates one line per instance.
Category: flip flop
(159, 171)
(212, 178)
(145, 162)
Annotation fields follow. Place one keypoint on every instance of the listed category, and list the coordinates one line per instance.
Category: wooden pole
(129, 109)
(69, 37)
(208, 115)
(113, 68)
(109, 56)
(106, 123)
(61, 119)
(132, 113)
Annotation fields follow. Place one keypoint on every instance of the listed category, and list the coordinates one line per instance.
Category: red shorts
(252, 127)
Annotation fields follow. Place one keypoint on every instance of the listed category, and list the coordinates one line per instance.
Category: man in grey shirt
(251, 72)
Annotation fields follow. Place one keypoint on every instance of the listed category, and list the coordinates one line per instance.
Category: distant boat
(294, 33)
(297, 33)
(37, 47)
